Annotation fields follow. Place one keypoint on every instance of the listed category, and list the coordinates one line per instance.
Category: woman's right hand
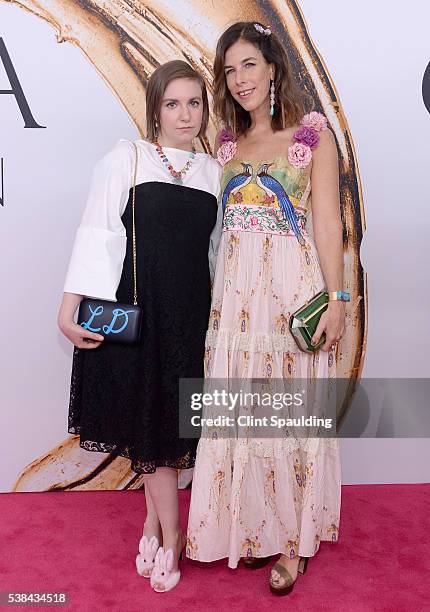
(80, 337)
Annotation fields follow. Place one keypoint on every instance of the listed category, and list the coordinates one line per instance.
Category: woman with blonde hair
(255, 497)
(150, 213)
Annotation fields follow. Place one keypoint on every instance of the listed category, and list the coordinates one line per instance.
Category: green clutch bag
(303, 322)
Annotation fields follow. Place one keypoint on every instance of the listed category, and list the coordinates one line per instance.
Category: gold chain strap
(134, 228)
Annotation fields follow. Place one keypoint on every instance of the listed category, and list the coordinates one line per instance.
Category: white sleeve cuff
(96, 264)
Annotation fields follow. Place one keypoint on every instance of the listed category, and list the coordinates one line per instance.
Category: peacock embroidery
(273, 191)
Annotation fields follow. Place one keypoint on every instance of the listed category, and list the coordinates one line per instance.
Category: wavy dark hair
(290, 103)
(157, 84)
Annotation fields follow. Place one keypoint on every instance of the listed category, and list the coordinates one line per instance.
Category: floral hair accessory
(228, 146)
(315, 120)
(262, 30)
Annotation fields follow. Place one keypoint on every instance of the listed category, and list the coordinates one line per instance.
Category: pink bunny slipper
(162, 577)
(145, 560)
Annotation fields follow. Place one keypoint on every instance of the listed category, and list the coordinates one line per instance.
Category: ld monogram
(107, 329)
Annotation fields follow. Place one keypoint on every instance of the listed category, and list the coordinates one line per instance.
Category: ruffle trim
(256, 343)
(242, 449)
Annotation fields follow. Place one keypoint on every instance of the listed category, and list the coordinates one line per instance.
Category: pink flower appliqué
(226, 135)
(254, 221)
(299, 155)
(307, 136)
(226, 152)
(315, 120)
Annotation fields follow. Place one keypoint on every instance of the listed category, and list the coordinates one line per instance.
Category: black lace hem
(138, 465)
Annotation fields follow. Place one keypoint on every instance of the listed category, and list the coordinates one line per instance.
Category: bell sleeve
(99, 248)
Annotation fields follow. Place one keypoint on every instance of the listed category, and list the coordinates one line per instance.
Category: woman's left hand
(332, 322)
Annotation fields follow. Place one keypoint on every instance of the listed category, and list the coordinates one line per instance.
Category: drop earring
(272, 97)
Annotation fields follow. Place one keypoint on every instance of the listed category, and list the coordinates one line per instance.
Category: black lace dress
(124, 399)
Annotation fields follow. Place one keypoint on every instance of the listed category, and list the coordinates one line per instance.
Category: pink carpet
(85, 543)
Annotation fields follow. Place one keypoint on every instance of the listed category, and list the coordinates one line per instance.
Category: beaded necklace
(177, 174)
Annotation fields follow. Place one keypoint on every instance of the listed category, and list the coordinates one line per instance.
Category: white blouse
(98, 254)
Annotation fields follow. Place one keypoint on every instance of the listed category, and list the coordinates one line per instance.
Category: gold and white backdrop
(72, 82)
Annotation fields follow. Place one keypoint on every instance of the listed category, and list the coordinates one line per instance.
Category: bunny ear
(153, 544)
(159, 556)
(169, 559)
(143, 544)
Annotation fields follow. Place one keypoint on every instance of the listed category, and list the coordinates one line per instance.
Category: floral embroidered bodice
(295, 182)
(253, 194)
(271, 196)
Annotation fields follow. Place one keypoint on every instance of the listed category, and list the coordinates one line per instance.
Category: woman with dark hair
(124, 398)
(255, 497)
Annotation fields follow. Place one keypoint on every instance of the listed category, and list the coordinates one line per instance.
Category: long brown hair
(159, 80)
(290, 103)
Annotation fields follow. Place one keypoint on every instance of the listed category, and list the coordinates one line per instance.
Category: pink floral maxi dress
(261, 496)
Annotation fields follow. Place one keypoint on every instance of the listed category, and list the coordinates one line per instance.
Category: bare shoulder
(326, 146)
(327, 138)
